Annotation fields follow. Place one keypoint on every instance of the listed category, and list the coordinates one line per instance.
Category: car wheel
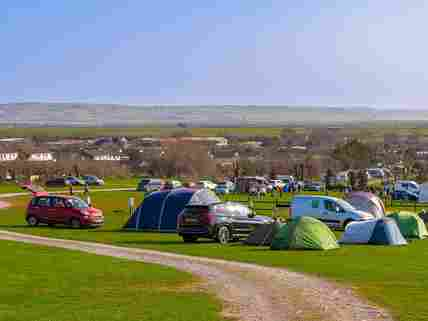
(346, 223)
(190, 238)
(32, 221)
(223, 235)
(75, 223)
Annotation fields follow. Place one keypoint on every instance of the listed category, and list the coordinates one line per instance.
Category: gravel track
(249, 292)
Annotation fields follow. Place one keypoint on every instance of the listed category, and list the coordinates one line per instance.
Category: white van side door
(329, 214)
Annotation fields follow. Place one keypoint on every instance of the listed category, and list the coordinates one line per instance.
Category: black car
(222, 222)
(405, 196)
(57, 182)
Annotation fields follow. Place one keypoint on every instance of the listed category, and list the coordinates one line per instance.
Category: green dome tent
(304, 233)
(410, 224)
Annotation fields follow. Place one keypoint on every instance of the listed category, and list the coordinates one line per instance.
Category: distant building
(107, 155)
(7, 155)
(41, 155)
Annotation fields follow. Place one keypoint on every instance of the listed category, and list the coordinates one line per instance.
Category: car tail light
(207, 217)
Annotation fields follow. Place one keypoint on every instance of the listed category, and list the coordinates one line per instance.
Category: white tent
(381, 231)
(358, 232)
(423, 194)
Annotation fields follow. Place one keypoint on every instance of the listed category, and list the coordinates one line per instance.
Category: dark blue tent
(159, 210)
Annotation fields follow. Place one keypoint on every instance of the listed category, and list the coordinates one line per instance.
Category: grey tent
(263, 234)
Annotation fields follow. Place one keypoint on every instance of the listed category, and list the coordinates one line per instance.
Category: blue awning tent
(159, 210)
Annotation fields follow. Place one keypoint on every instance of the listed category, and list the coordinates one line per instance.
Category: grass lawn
(49, 284)
(394, 277)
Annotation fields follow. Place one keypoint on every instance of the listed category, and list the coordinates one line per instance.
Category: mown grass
(394, 277)
(50, 284)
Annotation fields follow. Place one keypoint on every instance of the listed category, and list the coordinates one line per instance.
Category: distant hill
(77, 114)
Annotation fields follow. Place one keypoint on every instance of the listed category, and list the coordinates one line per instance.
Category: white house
(8, 155)
(108, 155)
(41, 156)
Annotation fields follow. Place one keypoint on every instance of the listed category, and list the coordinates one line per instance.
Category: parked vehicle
(225, 188)
(207, 185)
(286, 179)
(405, 196)
(150, 185)
(93, 180)
(222, 222)
(313, 187)
(57, 182)
(276, 183)
(172, 184)
(335, 212)
(410, 186)
(72, 211)
(258, 189)
(72, 180)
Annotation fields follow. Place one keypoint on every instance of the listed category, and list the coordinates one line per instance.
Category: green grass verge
(50, 284)
(394, 277)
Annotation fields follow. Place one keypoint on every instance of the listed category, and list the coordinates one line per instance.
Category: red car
(72, 211)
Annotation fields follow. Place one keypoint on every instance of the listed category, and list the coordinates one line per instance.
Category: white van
(334, 212)
(410, 186)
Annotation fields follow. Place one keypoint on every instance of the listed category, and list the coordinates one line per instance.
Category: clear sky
(297, 52)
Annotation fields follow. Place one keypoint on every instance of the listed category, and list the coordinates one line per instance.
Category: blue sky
(296, 52)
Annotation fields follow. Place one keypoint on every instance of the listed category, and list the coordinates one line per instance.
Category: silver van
(333, 211)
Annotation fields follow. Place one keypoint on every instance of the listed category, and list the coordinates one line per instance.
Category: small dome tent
(159, 210)
(304, 233)
(263, 234)
(367, 202)
(383, 231)
(410, 224)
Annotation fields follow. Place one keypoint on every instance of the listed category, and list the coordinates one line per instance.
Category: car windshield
(77, 203)
(345, 205)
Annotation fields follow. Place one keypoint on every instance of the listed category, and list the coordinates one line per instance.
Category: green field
(87, 132)
(373, 131)
(50, 284)
(394, 277)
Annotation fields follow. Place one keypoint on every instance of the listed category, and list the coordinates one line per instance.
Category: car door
(43, 208)
(58, 211)
(330, 215)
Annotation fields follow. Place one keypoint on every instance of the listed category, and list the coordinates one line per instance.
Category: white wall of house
(4, 157)
(41, 157)
(107, 157)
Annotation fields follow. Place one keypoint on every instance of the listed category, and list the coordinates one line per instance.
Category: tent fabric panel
(305, 233)
(263, 234)
(281, 240)
(410, 225)
(358, 232)
(313, 234)
(151, 210)
(174, 205)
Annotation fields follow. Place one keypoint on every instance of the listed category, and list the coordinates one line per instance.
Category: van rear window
(315, 203)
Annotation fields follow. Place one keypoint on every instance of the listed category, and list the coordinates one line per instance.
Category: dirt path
(249, 292)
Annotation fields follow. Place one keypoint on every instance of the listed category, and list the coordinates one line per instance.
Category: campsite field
(45, 284)
(394, 277)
